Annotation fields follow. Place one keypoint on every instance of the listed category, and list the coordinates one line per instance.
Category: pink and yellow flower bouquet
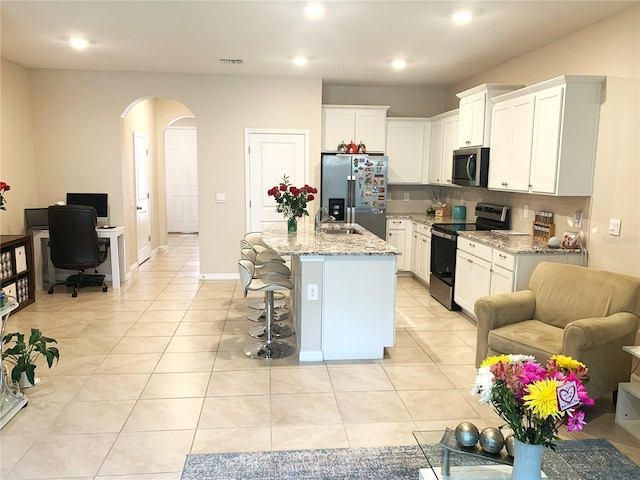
(533, 399)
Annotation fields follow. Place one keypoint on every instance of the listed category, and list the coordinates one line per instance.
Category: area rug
(588, 460)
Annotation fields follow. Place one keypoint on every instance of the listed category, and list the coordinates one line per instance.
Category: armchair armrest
(589, 333)
(497, 311)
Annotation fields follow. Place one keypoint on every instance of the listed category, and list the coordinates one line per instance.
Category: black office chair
(74, 245)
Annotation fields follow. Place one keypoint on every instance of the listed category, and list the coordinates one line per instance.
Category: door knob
(138, 208)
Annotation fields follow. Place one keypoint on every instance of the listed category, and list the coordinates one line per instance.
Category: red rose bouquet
(291, 200)
(3, 188)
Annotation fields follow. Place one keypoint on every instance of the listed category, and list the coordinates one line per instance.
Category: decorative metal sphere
(491, 440)
(467, 434)
(510, 445)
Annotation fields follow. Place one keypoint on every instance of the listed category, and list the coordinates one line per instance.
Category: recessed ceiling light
(314, 11)
(462, 17)
(399, 64)
(79, 43)
(300, 61)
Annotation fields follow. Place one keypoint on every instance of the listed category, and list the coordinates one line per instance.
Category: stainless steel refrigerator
(354, 190)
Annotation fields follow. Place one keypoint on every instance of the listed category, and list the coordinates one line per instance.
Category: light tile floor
(155, 371)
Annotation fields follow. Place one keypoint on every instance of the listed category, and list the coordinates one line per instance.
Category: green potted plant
(23, 356)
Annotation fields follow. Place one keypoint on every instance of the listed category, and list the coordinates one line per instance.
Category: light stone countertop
(424, 218)
(515, 244)
(306, 242)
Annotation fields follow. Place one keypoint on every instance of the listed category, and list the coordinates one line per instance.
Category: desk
(116, 252)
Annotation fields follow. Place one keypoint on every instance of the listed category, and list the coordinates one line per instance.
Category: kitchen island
(343, 301)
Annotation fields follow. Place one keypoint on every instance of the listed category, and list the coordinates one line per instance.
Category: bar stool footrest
(278, 330)
(269, 350)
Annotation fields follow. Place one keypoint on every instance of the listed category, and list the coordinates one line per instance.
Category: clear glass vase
(292, 225)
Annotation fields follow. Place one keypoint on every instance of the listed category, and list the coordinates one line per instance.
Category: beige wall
(610, 48)
(403, 101)
(17, 160)
(78, 132)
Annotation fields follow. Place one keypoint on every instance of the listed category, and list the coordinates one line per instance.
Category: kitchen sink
(341, 231)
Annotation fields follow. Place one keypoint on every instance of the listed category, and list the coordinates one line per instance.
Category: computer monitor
(99, 201)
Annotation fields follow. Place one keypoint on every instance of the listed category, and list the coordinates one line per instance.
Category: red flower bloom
(283, 187)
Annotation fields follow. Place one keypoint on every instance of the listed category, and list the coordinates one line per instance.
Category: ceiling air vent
(231, 61)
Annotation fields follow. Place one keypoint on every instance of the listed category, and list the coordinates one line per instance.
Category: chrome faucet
(322, 216)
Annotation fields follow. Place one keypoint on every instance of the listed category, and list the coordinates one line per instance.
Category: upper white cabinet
(407, 148)
(343, 123)
(510, 156)
(444, 140)
(544, 137)
(474, 128)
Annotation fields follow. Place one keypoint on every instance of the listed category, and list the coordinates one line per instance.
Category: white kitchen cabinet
(511, 139)
(501, 280)
(444, 140)
(414, 248)
(483, 270)
(475, 113)
(473, 273)
(564, 129)
(398, 236)
(546, 143)
(344, 123)
(407, 147)
(421, 251)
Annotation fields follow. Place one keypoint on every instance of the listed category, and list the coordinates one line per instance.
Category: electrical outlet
(614, 226)
(525, 211)
(407, 197)
(312, 291)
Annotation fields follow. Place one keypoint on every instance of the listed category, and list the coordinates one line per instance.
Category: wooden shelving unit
(17, 276)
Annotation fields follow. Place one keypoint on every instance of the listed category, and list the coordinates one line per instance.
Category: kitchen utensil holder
(442, 211)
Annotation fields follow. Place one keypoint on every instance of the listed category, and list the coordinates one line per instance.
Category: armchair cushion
(584, 313)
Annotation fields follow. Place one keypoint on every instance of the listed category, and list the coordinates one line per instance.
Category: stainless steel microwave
(471, 167)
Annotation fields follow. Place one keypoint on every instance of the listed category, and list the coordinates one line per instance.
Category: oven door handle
(443, 235)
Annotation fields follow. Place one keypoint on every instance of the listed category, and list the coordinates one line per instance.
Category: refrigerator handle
(351, 199)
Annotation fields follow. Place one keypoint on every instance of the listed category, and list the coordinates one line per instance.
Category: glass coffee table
(448, 461)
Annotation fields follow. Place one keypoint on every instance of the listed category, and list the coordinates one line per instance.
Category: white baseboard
(311, 356)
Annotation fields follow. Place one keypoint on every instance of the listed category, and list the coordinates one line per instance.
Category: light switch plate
(220, 198)
(614, 226)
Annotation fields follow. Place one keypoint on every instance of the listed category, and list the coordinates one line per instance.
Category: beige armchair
(581, 312)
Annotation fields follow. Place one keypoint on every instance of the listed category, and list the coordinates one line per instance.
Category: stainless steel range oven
(444, 239)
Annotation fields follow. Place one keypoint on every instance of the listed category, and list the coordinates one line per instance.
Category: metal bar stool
(269, 348)
(255, 240)
(274, 266)
(279, 329)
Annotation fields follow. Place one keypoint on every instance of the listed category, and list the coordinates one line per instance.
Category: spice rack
(543, 226)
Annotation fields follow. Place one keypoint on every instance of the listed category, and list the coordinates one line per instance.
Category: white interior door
(181, 159)
(270, 156)
(141, 154)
